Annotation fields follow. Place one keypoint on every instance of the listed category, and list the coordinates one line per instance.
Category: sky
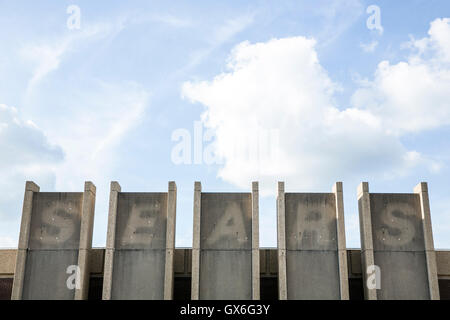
(226, 93)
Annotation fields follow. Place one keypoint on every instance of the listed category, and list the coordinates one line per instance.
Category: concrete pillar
(311, 245)
(87, 227)
(342, 249)
(110, 240)
(140, 245)
(255, 242)
(19, 273)
(54, 245)
(365, 222)
(170, 240)
(195, 284)
(281, 243)
(225, 256)
(422, 190)
(398, 258)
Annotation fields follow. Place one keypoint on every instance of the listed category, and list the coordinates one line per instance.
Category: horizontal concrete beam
(182, 262)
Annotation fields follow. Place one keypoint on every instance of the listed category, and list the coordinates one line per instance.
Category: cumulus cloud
(413, 95)
(280, 87)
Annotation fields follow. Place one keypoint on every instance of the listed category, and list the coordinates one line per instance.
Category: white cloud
(25, 153)
(412, 95)
(22, 143)
(280, 85)
(438, 40)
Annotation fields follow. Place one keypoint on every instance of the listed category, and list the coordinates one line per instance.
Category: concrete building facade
(55, 260)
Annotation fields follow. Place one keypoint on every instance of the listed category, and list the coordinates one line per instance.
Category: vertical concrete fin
(314, 245)
(226, 240)
(255, 242)
(365, 222)
(397, 245)
(195, 275)
(140, 245)
(422, 190)
(170, 240)
(115, 189)
(342, 250)
(86, 231)
(19, 272)
(55, 238)
(281, 243)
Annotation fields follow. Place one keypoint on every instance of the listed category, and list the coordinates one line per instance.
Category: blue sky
(329, 98)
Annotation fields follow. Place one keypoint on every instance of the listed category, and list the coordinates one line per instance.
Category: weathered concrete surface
(141, 221)
(138, 274)
(311, 221)
(195, 267)
(312, 275)
(256, 283)
(170, 241)
(281, 242)
(115, 188)
(403, 275)
(312, 264)
(365, 227)
(225, 246)
(268, 258)
(140, 244)
(226, 221)
(398, 244)
(55, 221)
(396, 222)
(53, 245)
(430, 254)
(7, 261)
(338, 191)
(45, 275)
(226, 274)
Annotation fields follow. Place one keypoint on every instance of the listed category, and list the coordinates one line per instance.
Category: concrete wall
(311, 242)
(141, 240)
(56, 234)
(182, 271)
(224, 257)
(395, 257)
(396, 237)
